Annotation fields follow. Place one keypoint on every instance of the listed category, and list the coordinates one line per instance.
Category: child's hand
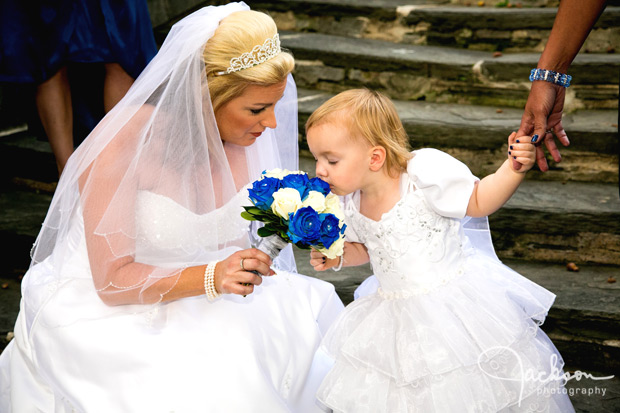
(521, 150)
(320, 262)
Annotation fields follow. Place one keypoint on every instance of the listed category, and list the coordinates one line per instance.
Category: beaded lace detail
(412, 249)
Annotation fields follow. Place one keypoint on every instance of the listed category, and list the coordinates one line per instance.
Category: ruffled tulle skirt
(471, 345)
(237, 354)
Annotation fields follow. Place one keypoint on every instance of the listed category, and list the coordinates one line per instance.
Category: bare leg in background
(53, 100)
(117, 82)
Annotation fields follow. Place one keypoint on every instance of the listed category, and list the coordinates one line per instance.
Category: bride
(146, 219)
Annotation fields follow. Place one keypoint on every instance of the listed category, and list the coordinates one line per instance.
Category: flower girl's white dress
(252, 354)
(450, 328)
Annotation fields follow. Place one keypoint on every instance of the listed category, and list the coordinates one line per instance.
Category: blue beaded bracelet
(550, 76)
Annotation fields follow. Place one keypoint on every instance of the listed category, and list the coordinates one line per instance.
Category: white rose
(286, 201)
(315, 200)
(336, 249)
(276, 173)
(332, 206)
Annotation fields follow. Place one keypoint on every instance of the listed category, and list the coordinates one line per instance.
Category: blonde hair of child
(238, 33)
(373, 116)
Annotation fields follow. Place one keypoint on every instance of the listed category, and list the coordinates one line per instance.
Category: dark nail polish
(517, 140)
(509, 152)
(534, 138)
(510, 146)
(514, 157)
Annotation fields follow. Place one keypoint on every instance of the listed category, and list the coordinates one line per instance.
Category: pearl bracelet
(550, 76)
(210, 290)
(339, 266)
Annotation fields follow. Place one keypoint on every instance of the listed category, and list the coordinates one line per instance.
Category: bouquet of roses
(298, 210)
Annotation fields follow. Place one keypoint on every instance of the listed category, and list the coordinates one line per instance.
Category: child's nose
(320, 171)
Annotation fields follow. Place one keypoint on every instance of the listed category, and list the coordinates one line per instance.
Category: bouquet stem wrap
(272, 245)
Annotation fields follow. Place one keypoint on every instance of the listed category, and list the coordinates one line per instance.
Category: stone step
(26, 156)
(510, 29)
(505, 29)
(557, 222)
(441, 74)
(477, 135)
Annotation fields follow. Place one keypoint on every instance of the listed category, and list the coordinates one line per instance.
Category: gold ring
(242, 267)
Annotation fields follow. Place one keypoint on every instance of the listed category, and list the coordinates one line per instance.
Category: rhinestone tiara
(258, 55)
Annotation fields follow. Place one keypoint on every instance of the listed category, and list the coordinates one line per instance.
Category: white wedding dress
(449, 328)
(252, 354)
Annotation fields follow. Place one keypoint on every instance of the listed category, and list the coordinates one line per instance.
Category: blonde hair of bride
(237, 34)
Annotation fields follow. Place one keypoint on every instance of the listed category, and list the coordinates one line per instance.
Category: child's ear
(377, 158)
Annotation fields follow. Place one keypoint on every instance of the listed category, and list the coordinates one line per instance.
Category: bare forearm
(355, 254)
(494, 190)
(572, 25)
(132, 283)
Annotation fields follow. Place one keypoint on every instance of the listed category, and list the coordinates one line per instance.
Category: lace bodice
(164, 225)
(414, 248)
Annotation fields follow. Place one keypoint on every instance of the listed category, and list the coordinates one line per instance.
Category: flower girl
(450, 328)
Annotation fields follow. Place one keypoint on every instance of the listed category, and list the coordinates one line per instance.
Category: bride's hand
(233, 276)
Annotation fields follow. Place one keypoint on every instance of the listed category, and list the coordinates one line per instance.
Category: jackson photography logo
(488, 363)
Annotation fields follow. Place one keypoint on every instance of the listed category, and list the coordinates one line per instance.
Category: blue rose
(319, 185)
(330, 229)
(298, 181)
(304, 226)
(262, 191)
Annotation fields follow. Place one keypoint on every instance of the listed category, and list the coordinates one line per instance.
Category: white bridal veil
(161, 138)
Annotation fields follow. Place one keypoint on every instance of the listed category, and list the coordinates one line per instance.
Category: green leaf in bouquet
(248, 216)
(265, 232)
(254, 210)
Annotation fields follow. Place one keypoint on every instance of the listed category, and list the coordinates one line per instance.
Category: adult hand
(543, 113)
(233, 276)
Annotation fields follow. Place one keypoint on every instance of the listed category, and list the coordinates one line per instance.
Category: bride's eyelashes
(257, 111)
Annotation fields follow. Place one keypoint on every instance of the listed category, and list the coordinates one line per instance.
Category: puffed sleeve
(446, 182)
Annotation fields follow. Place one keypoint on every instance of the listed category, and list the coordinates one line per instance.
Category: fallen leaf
(480, 4)
(499, 110)
(571, 266)
(497, 54)
(611, 280)
(5, 286)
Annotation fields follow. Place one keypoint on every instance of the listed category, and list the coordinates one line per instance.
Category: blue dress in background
(39, 37)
